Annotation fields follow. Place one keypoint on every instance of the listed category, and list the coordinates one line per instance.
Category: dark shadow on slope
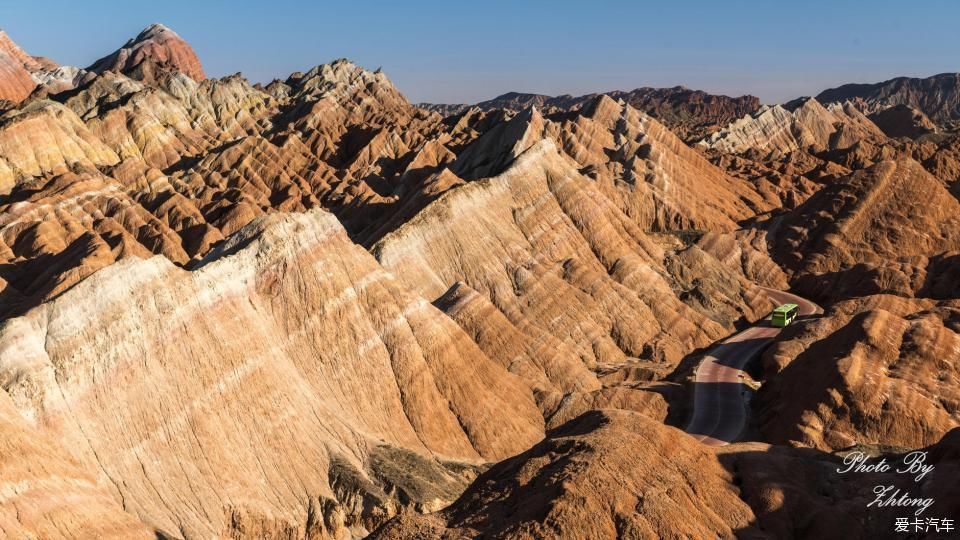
(799, 493)
(739, 353)
(30, 281)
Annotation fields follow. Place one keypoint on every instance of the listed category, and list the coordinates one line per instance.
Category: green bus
(784, 315)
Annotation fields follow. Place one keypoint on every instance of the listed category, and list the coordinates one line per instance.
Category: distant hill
(938, 96)
(692, 114)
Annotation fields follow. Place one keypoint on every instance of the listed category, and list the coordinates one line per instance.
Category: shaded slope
(937, 96)
(894, 211)
(586, 481)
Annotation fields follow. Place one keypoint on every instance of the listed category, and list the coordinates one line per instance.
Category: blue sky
(465, 52)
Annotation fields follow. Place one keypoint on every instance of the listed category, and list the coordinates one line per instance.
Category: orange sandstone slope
(894, 209)
(549, 249)
(653, 176)
(18, 55)
(875, 370)
(15, 80)
(48, 494)
(790, 151)
(289, 383)
(173, 170)
(171, 166)
(647, 171)
(892, 228)
(594, 477)
(302, 308)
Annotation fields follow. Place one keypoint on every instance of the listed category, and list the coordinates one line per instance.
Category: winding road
(719, 411)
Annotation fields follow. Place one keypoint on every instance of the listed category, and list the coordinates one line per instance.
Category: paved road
(719, 410)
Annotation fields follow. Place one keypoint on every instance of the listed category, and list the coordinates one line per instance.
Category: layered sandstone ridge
(875, 370)
(647, 171)
(806, 123)
(692, 114)
(157, 44)
(937, 96)
(294, 383)
(892, 228)
(299, 309)
(124, 167)
(654, 177)
(171, 166)
(548, 248)
(48, 494)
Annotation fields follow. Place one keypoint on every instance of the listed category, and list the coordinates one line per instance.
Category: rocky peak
(7, 46)
(799, 124)
(157, 44)
(15, 81)
(340, 78)
(604, 109)
(153, 31)
(938, 96)
(492, 153)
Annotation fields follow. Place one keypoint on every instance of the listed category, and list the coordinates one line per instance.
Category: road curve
(719, 411)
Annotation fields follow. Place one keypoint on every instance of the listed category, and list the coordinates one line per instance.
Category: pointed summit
(15, 81)
(156, 44)
(492, 153)
(13, 50)
(154, 30)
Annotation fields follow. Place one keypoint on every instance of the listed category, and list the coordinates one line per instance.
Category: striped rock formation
(289, 383)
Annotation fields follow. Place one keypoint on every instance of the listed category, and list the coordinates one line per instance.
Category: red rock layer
(15, 81)
(157, 44)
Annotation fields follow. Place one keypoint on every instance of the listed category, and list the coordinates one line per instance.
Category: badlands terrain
(312, 309)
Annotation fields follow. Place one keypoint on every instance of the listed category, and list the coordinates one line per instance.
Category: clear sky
(454, 51)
